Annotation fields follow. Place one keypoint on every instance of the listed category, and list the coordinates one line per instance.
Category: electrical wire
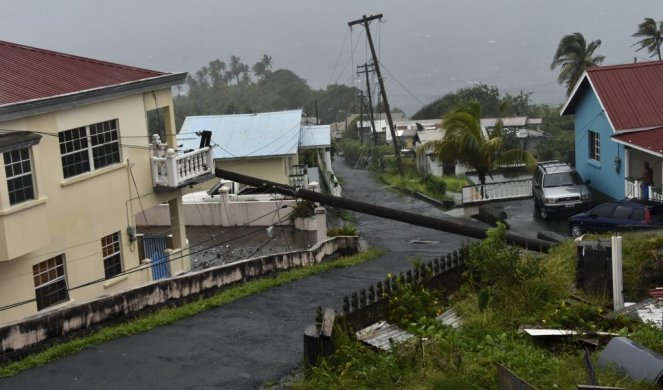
(142, 267)
(401, 84)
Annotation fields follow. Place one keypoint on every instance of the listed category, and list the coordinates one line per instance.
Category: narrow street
(253, 341)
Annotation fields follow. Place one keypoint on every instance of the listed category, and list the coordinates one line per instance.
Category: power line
(141, 267)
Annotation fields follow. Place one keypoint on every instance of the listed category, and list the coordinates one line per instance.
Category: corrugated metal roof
(430, 135)
(246, 135)
(650, 141)
(29, 73)
(380, 125)
(383, 335)
(506, 122)
(631, 94)
(312, 137)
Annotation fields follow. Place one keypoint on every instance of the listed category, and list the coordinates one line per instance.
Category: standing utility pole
(370, 102)
(364, 22)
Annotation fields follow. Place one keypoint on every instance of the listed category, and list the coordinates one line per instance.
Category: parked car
(627, 214)
(558, 188)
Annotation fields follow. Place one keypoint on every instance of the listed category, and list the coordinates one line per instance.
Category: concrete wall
(274, 169)
(232, 213)
(43, 326)
(80, 210)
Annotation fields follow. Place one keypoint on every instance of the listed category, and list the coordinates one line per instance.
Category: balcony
(23, 229)
(172, 170)
(634, 190)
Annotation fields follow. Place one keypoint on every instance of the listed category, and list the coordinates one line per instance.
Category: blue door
(154, 247)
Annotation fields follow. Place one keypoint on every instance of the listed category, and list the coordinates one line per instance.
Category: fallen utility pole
(450, 224)
(364, 21)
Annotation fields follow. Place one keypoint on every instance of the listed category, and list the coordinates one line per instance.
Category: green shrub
(345, 230)
(303, 209)
(434, 184)
(409, 302)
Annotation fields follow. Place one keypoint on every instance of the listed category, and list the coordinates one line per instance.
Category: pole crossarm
(365, 19)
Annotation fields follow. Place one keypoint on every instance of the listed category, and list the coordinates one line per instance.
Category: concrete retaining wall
(58, 323)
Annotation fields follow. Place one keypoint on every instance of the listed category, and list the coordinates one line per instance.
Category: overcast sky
(427, 47)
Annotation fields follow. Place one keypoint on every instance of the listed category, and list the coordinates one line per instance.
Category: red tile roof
(647, 140)
(632, 94)
(28, 73)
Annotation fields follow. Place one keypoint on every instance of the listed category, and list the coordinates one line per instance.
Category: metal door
(154, 247)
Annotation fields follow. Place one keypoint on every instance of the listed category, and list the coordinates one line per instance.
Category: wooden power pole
(364, 21)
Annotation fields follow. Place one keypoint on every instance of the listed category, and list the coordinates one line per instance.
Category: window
(594, 145)
(50, 282)
(110, 248)
(638, 214)
(622, 212)
(87, 148)
(18, 169)
(603, 211)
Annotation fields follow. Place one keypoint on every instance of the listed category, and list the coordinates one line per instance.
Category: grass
(503, 289)
(169, 315)
(454, 183)
(412, 181)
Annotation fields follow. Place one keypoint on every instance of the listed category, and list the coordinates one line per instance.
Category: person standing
(647, 180)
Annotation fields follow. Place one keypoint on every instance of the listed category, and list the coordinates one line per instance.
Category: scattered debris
(649, 310)
(383, 335)
(637, 361)
(450, 318)
(418, 241)
(592, 338)
(508, 380)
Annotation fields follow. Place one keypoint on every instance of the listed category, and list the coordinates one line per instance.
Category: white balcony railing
(170, 169)
(633, 189)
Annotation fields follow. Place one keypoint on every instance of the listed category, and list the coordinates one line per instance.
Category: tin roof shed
(268, 134)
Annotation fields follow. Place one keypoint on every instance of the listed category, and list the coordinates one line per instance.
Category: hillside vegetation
(503, 290)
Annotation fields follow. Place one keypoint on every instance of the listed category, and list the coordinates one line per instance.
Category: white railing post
(171, 167)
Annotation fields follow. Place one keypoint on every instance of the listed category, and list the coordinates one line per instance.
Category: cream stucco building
(79, 163)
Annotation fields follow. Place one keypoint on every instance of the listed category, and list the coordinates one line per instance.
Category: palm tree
(574, 56)
(466, 142)
(652, 37)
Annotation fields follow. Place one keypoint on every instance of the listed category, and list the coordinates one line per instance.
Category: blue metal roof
(313, 137)
(246, 135)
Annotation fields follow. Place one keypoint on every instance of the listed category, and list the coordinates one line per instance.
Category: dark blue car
(627, 214)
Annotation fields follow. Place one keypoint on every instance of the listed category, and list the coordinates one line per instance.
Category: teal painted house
(618, 127)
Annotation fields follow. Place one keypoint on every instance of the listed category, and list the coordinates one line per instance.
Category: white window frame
(110, 249)
(594, 145)
(88, 139)
(44, 277)
(10, 164)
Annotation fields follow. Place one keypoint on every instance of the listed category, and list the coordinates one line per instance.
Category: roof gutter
(80, 98)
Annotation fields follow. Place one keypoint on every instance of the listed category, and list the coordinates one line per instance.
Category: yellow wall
(80, 210)
(275, 169)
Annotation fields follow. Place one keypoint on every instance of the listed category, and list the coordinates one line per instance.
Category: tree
(489, 99)
(465, 142)
(236, 67)
(652, 37)
(263, 67)
(574, 56)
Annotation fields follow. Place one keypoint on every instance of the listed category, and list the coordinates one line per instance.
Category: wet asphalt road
(254, 341)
